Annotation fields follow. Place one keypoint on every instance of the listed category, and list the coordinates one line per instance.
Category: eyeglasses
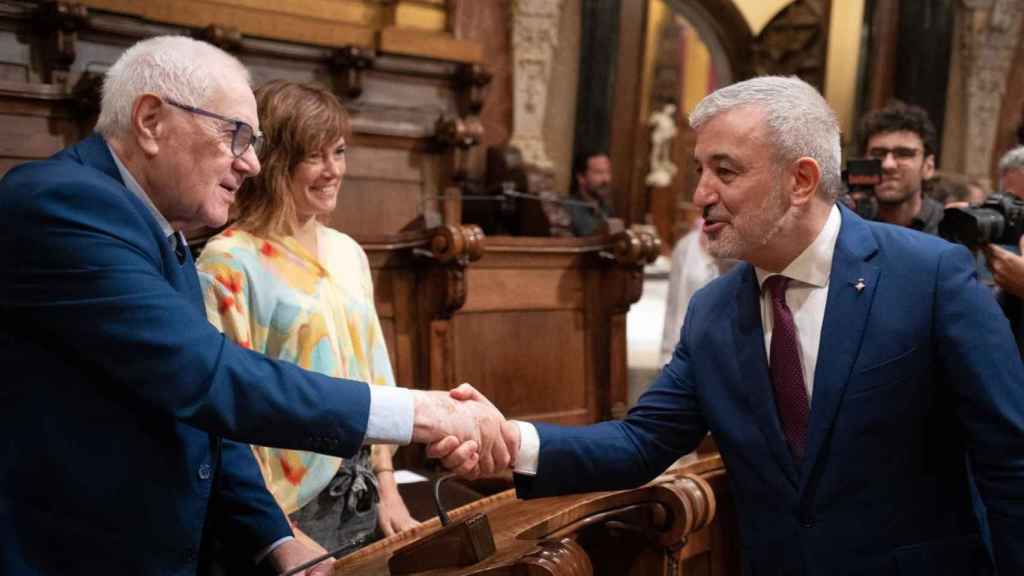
(899, 153)
(243, 136)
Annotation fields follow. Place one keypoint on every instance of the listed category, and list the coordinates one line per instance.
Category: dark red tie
(786, 371)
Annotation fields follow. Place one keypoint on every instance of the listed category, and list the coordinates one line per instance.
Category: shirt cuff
(266, 551)
(391, 416)
(529, 449)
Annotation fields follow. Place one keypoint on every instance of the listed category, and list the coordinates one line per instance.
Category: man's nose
(248, 164)
(704, 195)
(889, 161)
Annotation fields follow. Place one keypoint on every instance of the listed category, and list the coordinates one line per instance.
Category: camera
(998, 220)
(860, 177)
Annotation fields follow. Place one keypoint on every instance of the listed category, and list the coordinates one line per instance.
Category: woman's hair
(296, 120)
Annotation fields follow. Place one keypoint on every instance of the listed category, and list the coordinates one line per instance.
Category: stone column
(534, 38)
(990, 31)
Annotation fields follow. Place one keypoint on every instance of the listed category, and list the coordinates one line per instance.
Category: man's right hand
(1007, 268)
(463, 428)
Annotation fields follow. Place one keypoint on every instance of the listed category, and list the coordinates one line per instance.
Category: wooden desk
(666, 527)
(536, 324)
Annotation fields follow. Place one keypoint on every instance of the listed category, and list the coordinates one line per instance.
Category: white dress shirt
(806, 296)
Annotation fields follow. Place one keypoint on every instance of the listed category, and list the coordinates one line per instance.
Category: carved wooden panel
(531, 363)
(35, 123)
(794, 42)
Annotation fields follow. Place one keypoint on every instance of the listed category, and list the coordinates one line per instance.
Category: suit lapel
(846, 315)
(755, 382)
(93, 152)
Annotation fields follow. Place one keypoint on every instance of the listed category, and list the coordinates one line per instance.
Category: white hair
(800, 122)
(1012, 160)
(175, 67)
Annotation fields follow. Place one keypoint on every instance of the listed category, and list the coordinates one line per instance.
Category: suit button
(205, 471)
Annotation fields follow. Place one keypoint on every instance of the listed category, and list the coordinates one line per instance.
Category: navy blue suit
(916, 373)
(124, 415)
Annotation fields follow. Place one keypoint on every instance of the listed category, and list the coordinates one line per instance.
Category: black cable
(513, 194)
(441, 514)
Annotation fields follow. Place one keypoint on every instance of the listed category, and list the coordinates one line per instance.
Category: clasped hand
(465, 431)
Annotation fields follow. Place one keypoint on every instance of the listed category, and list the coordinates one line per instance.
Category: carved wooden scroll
(228, 38)
(58, 24)
(349, 64)
(454, 247)
(632, 250)
(457, 137)
(471, 81)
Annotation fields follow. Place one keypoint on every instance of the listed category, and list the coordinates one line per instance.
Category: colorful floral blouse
(273, 296)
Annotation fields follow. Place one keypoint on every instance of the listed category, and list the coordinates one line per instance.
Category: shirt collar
(814, 264)
(133, 185)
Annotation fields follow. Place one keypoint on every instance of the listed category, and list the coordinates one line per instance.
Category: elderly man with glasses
(903, 138)
(125, 416)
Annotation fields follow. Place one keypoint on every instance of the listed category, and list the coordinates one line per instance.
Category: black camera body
(998, 220)
(860, 177)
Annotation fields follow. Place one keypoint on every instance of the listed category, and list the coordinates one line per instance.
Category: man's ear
(806, 176)
(149, 123)
(928, 168)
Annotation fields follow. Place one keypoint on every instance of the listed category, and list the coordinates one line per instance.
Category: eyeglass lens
(243, 138)
(899, 153)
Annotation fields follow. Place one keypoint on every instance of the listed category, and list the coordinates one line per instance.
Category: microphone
(338, 553)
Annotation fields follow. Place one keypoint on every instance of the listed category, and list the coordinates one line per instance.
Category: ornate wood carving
(455, 247)
(471, 81)
(85, 96)
(349, 64)
(990, 31)
(794, 42)
(632, 250)
(640, 531)
(228, 38)
(534, 39)
(458, 137)
(563, 557)
(58, 23)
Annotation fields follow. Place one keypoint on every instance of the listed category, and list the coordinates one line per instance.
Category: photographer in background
(1011, 172)
(903, 138)
(1006, 266)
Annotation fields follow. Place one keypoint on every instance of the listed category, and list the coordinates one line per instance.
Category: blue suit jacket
(916, 373)
(119, 398)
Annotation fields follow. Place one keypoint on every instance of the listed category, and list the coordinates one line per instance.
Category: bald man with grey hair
(126, 416)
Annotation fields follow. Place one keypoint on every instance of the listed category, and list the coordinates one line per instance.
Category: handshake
(465, 431)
